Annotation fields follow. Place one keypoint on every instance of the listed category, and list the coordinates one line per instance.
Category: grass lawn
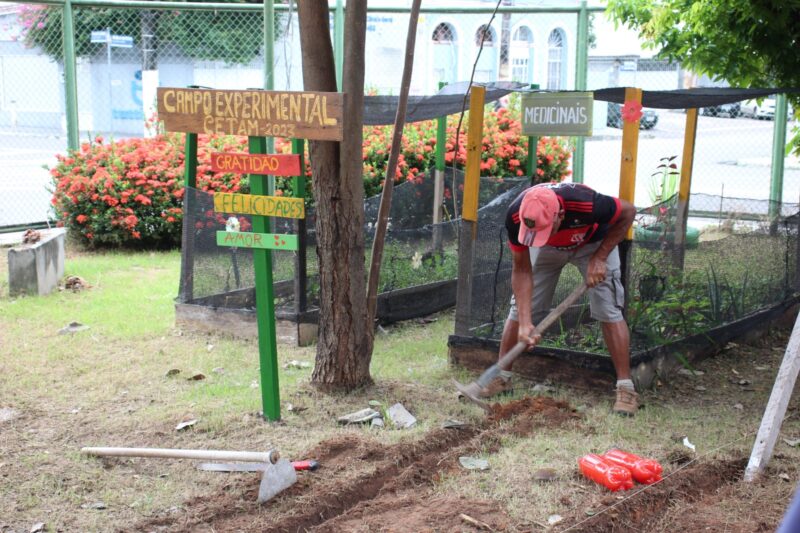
(108, 386)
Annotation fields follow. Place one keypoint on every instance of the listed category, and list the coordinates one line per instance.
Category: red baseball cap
(537, 213)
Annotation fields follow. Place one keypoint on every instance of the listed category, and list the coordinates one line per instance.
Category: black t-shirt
(587, 216)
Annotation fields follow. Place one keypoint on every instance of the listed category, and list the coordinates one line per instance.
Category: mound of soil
(366, 486)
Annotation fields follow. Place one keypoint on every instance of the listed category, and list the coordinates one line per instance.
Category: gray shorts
(606, 300)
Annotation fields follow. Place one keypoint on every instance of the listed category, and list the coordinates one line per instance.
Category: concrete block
(35, 269)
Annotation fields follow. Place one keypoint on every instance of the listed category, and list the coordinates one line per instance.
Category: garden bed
(234, 313)
(589, 369)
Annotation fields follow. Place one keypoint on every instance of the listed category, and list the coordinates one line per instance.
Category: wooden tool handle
(548, 321)
(270, 456)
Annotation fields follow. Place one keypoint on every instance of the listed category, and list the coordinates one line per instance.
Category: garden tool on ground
(472, 391)
(254, 467)
(278, 474)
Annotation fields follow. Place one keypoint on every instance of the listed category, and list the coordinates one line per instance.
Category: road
(732, 158)
(24, 182)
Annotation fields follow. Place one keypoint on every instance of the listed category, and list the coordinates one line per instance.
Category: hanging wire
(488, 26)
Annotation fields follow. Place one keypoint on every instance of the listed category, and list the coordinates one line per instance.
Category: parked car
(765, 109)
(614, 118)
(733, 110)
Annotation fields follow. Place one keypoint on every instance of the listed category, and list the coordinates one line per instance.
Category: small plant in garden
(662, 186)
(664, 181)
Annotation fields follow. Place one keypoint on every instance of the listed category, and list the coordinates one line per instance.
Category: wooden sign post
(255, 114)
(261, 206)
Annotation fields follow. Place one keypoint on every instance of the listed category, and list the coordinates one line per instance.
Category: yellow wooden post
(630, 148)
(472, 176)
(468, 229)
(682, 214)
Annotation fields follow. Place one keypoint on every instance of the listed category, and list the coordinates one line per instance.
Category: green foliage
(408, 267)
(682, 311)
(664, 181)
(233, 37)
(130, 193)
(747, 43)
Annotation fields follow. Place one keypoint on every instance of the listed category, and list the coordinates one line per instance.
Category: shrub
(129, 193)
(504, 151)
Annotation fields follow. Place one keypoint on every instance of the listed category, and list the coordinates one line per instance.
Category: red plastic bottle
(609, 475)
(644, 471)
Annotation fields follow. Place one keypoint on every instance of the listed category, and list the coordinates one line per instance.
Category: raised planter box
(233, 313)
(587, 370)
(35, 269)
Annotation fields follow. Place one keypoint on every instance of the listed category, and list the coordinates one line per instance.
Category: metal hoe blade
(470, 392)
(276, 478)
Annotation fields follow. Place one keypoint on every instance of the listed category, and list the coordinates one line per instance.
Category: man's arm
(522, 285)
(596, 272)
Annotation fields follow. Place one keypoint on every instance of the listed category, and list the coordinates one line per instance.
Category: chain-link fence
(122, 54)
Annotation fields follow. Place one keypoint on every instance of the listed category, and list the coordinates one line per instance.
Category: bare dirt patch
(364, 485)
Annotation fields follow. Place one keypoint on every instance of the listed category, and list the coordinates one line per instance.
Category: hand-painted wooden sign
(272, 165)
(255, 113)
(252, 204)
(557, 113)
(264, 241)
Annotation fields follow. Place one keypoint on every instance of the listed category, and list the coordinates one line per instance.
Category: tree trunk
(344, 347)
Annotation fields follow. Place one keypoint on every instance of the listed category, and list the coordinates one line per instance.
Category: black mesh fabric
(743, 260)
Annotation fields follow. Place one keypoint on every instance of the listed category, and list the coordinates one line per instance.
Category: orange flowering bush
(130, 192)
(504, 152)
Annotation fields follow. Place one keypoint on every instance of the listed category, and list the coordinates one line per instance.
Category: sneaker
(497, 387)
(627, 402)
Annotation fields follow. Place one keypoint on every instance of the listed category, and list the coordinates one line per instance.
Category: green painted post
(189, 199)
(582, 62)
(441, 137)
(70, 80)
(300, 267)
(778, 154)
(438, 178)
(338, 42)
(265, 302)
(533, 143)
(190, 161)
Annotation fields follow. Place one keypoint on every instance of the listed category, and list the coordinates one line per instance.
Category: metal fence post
(338, 42)
(777, 167)
(70, 80)
(581, 70)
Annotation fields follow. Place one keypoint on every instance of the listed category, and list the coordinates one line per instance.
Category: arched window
(445, 53)
(522, 36)
(556, 57)
(444, 34)
(521, 55)
(488, 39)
